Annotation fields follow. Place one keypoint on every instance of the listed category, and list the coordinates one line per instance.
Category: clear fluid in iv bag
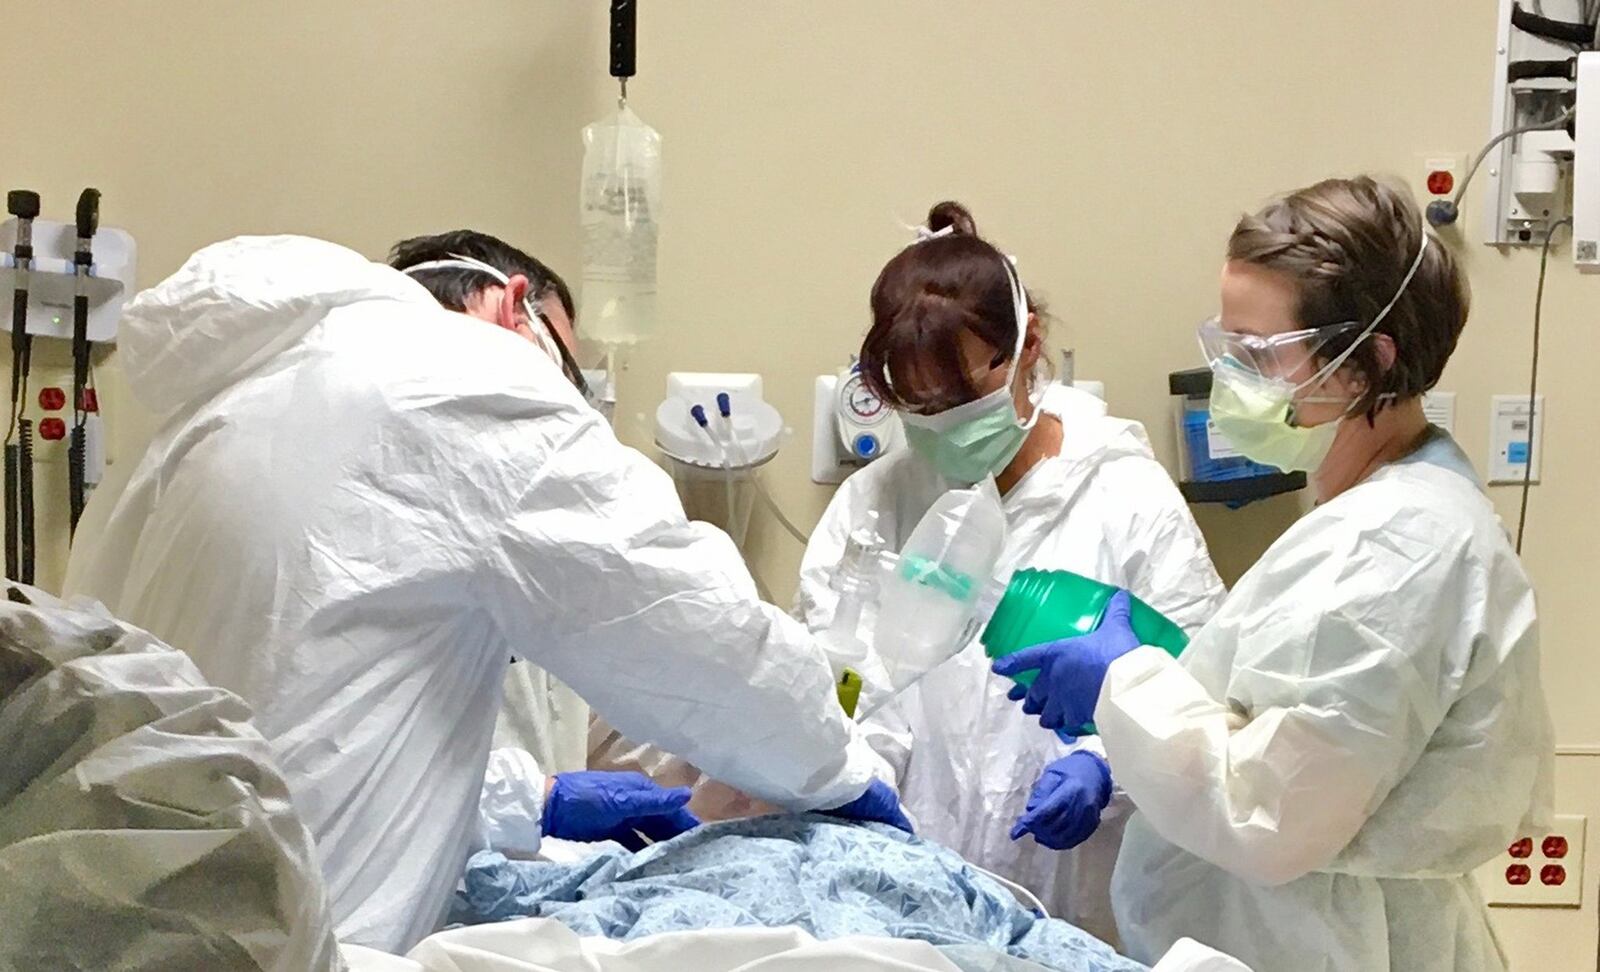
(620, 200)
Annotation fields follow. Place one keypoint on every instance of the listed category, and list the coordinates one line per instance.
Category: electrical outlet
(1441, 175)
(1539, 870)
(47, 406)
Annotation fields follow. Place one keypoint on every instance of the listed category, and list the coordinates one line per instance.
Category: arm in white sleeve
(656, 621)
(814, 598)
(1086, 744)
(888, 732)
(1334, 663)
(511, 807)
(1279, 793)
(1164, 557)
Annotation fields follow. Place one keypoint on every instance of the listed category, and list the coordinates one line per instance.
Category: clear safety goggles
(1280, 357)
(1277, 356)
(543, 334)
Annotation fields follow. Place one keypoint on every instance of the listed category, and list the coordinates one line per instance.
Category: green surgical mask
(971, 442)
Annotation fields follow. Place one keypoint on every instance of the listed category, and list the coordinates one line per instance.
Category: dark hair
(454, 288)
(1347, 245)
(923, 299)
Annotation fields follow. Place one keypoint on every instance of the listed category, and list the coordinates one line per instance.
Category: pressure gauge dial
(858, 404)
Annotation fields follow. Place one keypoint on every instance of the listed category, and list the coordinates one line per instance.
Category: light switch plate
(1440, 409)
(1510, 442)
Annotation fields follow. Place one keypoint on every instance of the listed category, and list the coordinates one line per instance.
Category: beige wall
(361, 121)
(1109, 146)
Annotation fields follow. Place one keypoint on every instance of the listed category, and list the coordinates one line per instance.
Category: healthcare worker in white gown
(1081, 492)
(1362, 724)
(360, 505)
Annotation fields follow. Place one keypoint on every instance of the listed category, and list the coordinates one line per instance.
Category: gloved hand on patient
(880, 804)
(1064, 808)
(596, 805)
(1071, 671)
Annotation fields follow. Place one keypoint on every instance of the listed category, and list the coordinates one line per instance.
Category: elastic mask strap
(1019, 306)
(543, 335)
(1326, 371)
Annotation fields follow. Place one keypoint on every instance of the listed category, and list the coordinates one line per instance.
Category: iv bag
(932, 600)
(619, 202)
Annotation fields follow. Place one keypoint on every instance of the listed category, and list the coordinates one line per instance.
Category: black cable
(1566, 70)
(25, 480)
(76, 468)
(25, 555)
(1533, 377)
(1556, 30)
(87, 222)
(13, 465)
(1443, 212)
(80, 415)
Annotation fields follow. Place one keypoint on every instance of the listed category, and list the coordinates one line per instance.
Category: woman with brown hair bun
(957, 348)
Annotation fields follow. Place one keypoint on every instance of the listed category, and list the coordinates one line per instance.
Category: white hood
(236, 304)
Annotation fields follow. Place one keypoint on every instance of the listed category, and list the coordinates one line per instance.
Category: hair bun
(954, 216)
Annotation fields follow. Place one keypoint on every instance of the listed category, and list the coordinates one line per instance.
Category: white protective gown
(966, 756)
(360, 505)
(144, 824)
(541, 715)
(1359, 727)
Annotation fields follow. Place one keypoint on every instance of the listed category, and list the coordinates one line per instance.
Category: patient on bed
(831, 879)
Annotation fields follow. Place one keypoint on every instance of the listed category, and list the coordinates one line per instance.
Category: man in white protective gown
(367, 493)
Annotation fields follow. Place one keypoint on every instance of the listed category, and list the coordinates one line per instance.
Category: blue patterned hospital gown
(827, 876)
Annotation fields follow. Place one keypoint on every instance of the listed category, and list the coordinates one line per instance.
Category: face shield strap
(547, 339)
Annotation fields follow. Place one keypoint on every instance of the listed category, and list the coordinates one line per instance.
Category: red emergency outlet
(91, 401)
(1518, 874)
(52, 429)
(1522, 848)
(1441, 183)
(52, 399)
(1555, 847)
(1553, 875)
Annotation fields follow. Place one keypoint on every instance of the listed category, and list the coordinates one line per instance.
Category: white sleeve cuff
(511, 807)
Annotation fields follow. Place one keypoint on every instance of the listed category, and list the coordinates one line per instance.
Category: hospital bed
(546, 945)
(783, 891)
(144, 825)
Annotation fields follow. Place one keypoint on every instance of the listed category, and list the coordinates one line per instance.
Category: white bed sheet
(546, 945)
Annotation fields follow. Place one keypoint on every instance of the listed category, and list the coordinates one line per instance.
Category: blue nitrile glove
(880, 804)
(1064, 807)
(1071, 671)
(594, 805)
